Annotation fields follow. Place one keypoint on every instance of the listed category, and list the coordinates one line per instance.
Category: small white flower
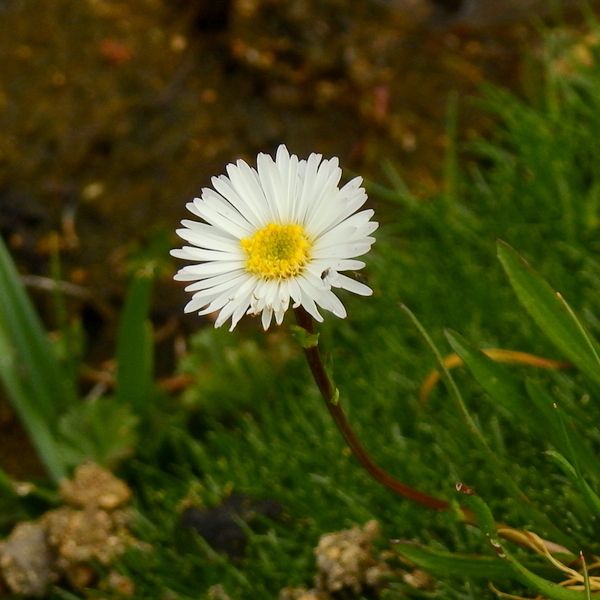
(275, 234)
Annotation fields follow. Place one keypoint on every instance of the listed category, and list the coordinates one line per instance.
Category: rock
(345, 560)
(118, 584)
(26, 561)
(302, 594)
(217, 592)
(220, 526)
(81, 536)
(419, 579)
(94, 486)
(67, 542)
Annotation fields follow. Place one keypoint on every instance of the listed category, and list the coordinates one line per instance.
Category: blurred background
(115, 112)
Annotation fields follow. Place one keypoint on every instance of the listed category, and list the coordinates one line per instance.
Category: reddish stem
(329, 394)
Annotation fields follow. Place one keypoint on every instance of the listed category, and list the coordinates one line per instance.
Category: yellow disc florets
(277, 251)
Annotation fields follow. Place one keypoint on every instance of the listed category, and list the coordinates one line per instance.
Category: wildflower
(275, 235)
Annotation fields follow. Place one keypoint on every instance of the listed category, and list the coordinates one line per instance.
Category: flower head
(275, 235)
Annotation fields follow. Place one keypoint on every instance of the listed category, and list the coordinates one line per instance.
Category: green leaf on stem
(304, 338)
(335, 400)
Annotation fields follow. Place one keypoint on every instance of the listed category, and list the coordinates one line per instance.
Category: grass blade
(469, 421)
(26, 334)
(23, 400)
(587, 493)
(495, 379)
(448, 564)
(560, 432)
(547, 589)
(551, 313)
(11, 509)
(135, 347)
(529, 404)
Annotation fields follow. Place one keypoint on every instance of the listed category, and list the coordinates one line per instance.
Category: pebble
(26, 561)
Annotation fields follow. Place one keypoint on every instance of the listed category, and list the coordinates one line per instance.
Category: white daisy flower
(275, 235)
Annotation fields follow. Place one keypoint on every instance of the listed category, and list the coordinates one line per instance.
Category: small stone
(26, 560)
(93, 485)
(377, 574)
(79, 576)
(345, 560)
(121, 584)
(418, 579)
(301, 593)
(217, 592)
(220, 526)
(83, 535)
(92, 191)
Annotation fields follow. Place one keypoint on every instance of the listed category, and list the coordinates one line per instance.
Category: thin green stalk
(22, 400)
(462, 407)
(499, 468)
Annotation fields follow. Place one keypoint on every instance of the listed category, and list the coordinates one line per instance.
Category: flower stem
(330, 396)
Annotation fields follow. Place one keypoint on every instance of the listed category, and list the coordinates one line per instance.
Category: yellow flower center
(277, 251)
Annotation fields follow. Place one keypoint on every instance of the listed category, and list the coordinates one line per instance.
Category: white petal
(247, 183)
(332, 303)
(289, 183)
(309, 293)
(308, 170)
(191, 272)
(230, 286)
(271, 184)
(216, 304)
(242, 202)
(295, 292)
(191, 253)
(279, 316)
(344, 250)
(207, 236)
(209, 212)
(347, 283)
(335, 212)
(356, 225)
(214, 280)
(267, 315)
(240, 310)
(206, 229)
(325, 186)
(349, 265)
(226, 312)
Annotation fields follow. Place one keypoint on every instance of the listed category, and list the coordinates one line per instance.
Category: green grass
(253, 422)
(256, 425)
